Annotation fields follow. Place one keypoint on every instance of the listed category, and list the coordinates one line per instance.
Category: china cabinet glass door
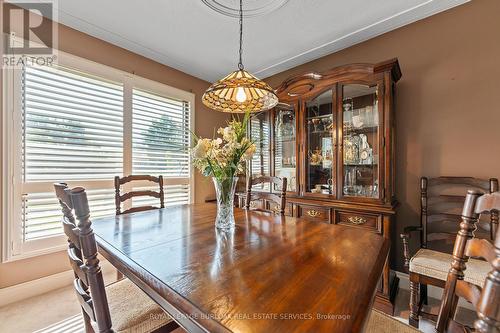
(361, 141)
(320, 129)
(260, 131)
(285, 157)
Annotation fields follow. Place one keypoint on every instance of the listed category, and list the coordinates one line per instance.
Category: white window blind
(84, 127)
(72, 130)
(174, 195)
(160, 135)
(259, 134)
(160, 144)
(73, 126)
(42, 213)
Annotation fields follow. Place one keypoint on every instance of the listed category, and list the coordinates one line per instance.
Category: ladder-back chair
(120, 198)
(442, 200)
(276, 202)
(130, 308)
(485, 298)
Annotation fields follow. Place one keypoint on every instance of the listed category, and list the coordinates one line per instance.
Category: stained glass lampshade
(240, 92)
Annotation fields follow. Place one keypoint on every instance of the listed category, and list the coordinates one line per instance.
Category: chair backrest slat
(486, 300)
(131, 178)
(444, 237)
(466, 181)
(84, 299)
(267, 196)
(72, 233)
(277, 198)
(468, 291)
(133, 194)
(267, 179)
(82, 253)
(77, 264)
(480, 248)
(119, 198)
(443, 217)
(488, 203)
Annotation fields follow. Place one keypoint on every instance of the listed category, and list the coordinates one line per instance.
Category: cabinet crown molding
(308, 83)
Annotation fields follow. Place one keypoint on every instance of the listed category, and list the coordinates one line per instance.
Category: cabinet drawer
(258, 204)
(362, 220)
(314, 213)
(276, 208)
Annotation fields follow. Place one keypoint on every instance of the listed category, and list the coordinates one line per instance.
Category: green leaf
(207, 171)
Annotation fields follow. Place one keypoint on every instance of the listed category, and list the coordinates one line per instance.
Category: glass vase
(224, 189)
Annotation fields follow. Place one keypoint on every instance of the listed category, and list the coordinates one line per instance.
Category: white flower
(227, 133)
(217, 142)
(201, 148)
(249, 152)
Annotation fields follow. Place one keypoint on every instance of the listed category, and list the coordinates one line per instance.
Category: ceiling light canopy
(252, 8)
(240, 91)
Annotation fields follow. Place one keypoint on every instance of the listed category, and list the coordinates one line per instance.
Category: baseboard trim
(36, 287)
(432, 291)
(40, 286)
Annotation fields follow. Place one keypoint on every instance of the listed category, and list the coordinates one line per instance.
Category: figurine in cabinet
(315, 157)
(365, 151)
(352, 145)
(327, 152)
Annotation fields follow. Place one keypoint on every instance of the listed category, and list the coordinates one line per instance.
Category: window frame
(13, 246)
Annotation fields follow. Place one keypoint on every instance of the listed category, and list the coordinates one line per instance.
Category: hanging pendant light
(240, 91)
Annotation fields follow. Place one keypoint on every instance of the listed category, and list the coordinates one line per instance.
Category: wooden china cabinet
(332, 136)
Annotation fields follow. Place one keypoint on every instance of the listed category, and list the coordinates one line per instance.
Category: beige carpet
(73, 324)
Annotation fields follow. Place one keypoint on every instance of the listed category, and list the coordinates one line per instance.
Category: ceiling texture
(200, 37)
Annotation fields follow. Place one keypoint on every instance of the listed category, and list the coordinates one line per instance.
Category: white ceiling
(189, 36)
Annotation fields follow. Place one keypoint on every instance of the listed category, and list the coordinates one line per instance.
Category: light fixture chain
(240, 64)
(240, 91)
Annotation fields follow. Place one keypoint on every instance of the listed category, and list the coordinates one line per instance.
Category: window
(259, 134)
(84, 123)
(72, 129)
(152, 150)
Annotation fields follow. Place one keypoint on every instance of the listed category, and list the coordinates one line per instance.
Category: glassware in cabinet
(361, 136)
(319, 150)
(285, 155)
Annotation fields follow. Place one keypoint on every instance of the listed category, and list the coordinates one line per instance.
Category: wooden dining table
(269, 274)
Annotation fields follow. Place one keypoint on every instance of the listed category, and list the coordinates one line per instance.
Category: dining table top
(270, 273)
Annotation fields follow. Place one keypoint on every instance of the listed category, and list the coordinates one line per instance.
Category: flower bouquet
(223, 158)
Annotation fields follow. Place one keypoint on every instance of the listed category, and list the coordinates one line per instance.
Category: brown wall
(82, 45)
(447, 110)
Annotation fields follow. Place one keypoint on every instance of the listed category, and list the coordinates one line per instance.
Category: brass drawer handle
(313, 213)
(357, 220)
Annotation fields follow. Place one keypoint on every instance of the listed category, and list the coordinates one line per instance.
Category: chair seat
(132, 310)
(437, 264)
(382, 323)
